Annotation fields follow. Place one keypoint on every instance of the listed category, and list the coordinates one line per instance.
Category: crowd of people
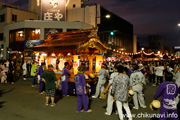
(9, 71)
(126, 76)
(116, 78)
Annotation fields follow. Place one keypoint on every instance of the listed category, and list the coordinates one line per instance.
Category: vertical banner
(53, 10)
(99, 62)
(76, 63)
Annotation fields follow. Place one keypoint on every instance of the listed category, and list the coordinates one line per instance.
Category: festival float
(76, 47)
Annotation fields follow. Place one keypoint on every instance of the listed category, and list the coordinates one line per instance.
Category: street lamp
(108, 16)
(178, 24)
(142, 49)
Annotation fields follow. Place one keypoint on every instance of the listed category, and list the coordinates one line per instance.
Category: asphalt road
(22, 102)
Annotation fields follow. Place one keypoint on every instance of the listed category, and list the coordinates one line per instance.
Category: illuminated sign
(32, 43)
(177, 47)
(53, 10)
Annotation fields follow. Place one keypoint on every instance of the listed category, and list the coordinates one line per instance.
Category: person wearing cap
(120, 88)
(141, 68)
(168, 91)
(110, 101)
(101, 81)
(137, 80)
(81, 91)
(65, 79)
(50, 80)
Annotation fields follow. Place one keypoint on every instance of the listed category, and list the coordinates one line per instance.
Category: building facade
(19, 25)
(155, 44)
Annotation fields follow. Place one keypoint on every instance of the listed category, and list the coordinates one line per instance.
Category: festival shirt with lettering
(80, 83)
(168, 92)
(65, 75)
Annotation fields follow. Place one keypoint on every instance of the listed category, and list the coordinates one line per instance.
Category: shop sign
(53, 10)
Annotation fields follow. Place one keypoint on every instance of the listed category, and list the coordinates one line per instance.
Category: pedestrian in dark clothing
(11, 72)
(49, 77)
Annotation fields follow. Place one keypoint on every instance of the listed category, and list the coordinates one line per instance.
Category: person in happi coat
(168, 91)
(177, 79)
(141, 68)
(137, 80)
(65, 79)
(101, 81)
(120, 88)
(81, 91)
(110, 101)
(41, 84)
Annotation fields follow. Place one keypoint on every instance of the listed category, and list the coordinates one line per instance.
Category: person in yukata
(65, 79)
(137, 80)
(168, 91)
(101, 81)
(120, 88)
(81, 91)
(41, 84)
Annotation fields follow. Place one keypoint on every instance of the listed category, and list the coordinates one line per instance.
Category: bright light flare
(108, 16)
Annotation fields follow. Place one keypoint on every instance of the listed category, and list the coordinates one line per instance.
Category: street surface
(22, 102)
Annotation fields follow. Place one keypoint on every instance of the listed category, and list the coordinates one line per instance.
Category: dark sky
(148, 17)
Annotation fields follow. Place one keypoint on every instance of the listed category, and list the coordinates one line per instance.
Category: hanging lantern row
(158, 54)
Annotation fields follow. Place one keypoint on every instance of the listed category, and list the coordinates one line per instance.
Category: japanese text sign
(53, 10)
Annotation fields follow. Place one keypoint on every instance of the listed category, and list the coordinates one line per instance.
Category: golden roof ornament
(93, 33)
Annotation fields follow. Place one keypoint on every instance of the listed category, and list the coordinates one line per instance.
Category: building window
(1, 36)
(14, 18)
(74, 5)
(32, 34)
(20, 35)
(2, 18)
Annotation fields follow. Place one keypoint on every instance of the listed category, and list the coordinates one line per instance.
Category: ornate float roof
(85, 41)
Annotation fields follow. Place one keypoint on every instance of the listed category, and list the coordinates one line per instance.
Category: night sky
(149, 17)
